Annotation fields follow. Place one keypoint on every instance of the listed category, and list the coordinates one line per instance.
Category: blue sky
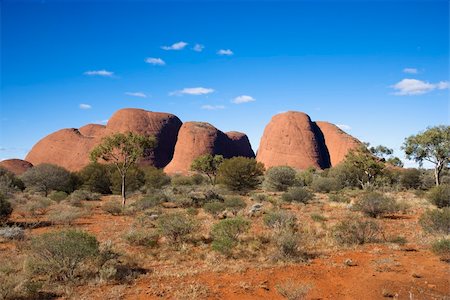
(380, 69)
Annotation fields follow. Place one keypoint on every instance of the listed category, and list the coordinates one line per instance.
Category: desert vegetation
(70, 234)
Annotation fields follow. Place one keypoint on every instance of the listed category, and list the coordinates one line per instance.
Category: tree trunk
(124, 196)
(437, 175)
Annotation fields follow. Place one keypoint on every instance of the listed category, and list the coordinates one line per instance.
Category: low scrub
(354, 231)
(441, 247)
(291, 290)
(65, 214)
(374, 204)
(142, 237)
(80, 195)
(226, 234)
(280, 220)
(279, 178)
(5, 208)
(214, 208)
(113, 207)
(150, 201)
(288, 245)
(12, 233)
(58, 196)
(297, 194)
(436, 221)
(325, 184)
(176, 227)
(440, 196)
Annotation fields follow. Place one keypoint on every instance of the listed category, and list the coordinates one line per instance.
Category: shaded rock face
(337, 142)
(292, 139)
(70, 148)
(199, 138)
(16, 166)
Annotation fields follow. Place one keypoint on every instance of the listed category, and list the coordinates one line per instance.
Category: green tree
(386, 155)
(432, 145)
(280, 178)
(366, 167)
(241, 173)
(208, 165)
(123, 150)
(95, 177)
(47, 177)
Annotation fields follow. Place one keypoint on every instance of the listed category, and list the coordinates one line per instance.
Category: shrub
(280, 220)
(440, 195)
(340, 198)
(240, 173)
(58, 196)
(259, 197)
(9, 182)
(226, 234)
(64, 214)
(436, 220)
(178, 180)
(95, 178)
(5, 208)
(293, 291)
(325, 185)
(345, 175)
(353, 231)
(12, 233)
(38, 206)
(80, 195)
(155, 178)
(208, 165)
(46, 177)
(114, 207)
(441, 247)
(375, 204)
(410, 179)
(59, 255)
(288, 245)
(139, 237)
(214, 208)
(318, 218)
(150, 201)
(279, 178)
(176, 227)
(234, 203)
(297, 194)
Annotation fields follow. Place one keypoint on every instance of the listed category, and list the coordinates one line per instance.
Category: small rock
(432, 286)
(388, 294)
(169, 205)
(415, 275)
(255, 208)
(350, 263)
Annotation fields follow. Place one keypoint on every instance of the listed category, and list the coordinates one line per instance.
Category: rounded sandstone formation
(337, 142)
(16, 166)
(92, 130)
(291, 139)
(240, 145)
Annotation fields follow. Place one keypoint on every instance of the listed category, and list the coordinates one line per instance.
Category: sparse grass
(114, 207)
(297, 194)
(441, 247)
(292, 290)
(436, 221)
(142, 237)
(318, 217)
(354, 231)
(375, 204)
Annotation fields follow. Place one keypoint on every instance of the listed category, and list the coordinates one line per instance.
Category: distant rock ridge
(290, 138)
(16, 166)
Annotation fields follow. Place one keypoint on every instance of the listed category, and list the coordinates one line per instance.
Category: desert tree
(431, 145)
(208, 164)
(365, 166)
(46, 177)
(385, 154)
(123, 150)
(241, 173)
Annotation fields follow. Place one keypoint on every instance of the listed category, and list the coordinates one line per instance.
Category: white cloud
(136, 94)
(243, 99)
(212, 107)
(85, 106)
(225, 52)
(407, 87)
(176, 46)
(155, 61)
(344, 126)
(192, 91)
(410, 70)
(99, 73)
(198, 47)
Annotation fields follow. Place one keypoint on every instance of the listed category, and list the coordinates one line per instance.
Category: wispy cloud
(103, 122)
(192, 91)
(212, 107)
(409, 87)
(85, 106)
(103, 73)
(225, 52)
(344, 126)
(243, 99)
(198, 47)
(155, 61)
(410, 71)
(136, 94)
(176, 46)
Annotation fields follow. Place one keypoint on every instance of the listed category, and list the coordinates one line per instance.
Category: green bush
(234, 203)
(297, 194)
(440, 196)
(354, 231)
(37, 206)
(80, 195)
(345, 175)
(214, 208)
(150, 201)
(135, 180)
(410, 179)
(240, 173)
(441, 247)
(180, 180)
(140, 237)
(155, 178)
(305, 177)
(5, 208)
(47, 177)
(114, 207)
(226, 234)
(95, 178)
(287, 244)
(9, 182)
(280, 220)
(339, 197)
(176, 227)
(279, 178)
(375, 204)
(325, 185)
(436, 220)
(64, 214)
(58, 196)
(59, 255)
